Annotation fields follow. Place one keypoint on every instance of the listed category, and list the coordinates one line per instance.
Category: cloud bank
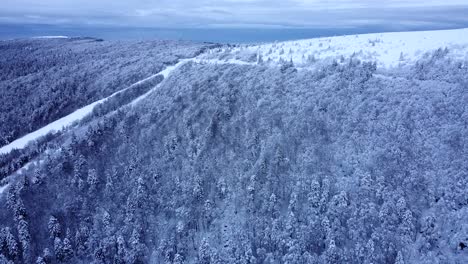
(236, 13)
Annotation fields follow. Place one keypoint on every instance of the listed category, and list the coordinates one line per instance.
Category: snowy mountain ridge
(232, 154)
(387, 49)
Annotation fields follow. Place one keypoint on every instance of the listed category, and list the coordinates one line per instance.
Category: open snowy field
(387, 49)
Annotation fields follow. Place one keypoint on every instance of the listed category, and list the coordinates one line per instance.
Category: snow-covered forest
(236, 156)
(42, 80)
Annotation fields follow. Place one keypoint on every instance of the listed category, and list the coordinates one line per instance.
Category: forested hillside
(248, 161)
(42, 80)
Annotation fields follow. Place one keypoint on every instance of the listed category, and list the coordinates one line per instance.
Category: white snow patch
(51, 37)
(28, 165)
(387, 49)
(221, 62)
(3, 188)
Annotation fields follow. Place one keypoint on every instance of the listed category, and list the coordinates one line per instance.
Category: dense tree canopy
(258, 164)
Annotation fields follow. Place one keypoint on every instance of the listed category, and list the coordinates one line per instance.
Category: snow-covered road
(68, 120)
(3, 188)
(165, 73)
(222, 62)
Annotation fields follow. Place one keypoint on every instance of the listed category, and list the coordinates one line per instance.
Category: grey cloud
(215, 13)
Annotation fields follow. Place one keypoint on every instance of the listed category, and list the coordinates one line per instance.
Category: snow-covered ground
(7, 181)
(51, 37)
(3, 188)
(220, 62)
(387, 49)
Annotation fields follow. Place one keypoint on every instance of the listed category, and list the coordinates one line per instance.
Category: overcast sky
(237, 13)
